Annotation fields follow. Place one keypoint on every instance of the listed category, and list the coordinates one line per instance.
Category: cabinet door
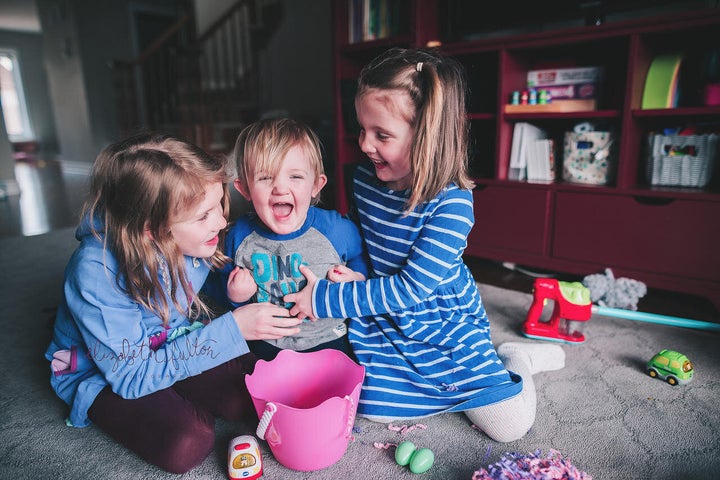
(666, 236)
(509, 218)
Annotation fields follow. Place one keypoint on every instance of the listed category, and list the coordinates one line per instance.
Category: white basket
(692, 169)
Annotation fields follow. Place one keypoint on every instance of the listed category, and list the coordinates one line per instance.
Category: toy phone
(244, 460)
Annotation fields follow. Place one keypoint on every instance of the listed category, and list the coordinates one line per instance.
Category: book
(564, 76)
(524, 137)
(356, 19)
(541, 162)
(368, 20)
(550, 166)
(516, 170)
(661, 82)
(572, 91)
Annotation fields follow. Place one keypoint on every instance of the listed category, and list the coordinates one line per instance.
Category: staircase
(202, 88)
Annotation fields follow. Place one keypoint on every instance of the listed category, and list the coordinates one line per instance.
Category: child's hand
(265, 321)
(241, 286)
(303, 299)
(341, 273)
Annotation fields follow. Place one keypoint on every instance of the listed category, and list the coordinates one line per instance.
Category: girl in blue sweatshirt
(134, 349)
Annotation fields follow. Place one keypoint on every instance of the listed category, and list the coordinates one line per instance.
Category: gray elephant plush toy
(608, 291)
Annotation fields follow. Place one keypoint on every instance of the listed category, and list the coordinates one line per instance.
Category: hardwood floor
(52, 199)
(49, 199)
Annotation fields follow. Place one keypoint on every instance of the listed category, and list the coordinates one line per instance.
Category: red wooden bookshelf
(667, 237)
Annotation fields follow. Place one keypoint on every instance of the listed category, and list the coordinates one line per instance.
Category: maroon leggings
(175, 428)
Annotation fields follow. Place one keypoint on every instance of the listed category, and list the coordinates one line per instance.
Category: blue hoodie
(117, 342)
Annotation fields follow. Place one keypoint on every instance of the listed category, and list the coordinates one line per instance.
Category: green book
(661, 83)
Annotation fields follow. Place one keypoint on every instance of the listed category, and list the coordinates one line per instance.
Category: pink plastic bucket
(306, 403)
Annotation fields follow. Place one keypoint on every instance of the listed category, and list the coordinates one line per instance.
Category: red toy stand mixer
(572, 306)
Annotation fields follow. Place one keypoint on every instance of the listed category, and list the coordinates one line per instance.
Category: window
(12, 96)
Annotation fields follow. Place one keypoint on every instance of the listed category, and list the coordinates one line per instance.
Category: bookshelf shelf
(563, 115)
(712, 112)
(629, 224)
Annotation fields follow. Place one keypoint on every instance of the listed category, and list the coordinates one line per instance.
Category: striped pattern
(418, 325)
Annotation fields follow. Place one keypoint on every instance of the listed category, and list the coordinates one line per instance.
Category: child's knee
(506, 434)
(503, 422)
(187, 448)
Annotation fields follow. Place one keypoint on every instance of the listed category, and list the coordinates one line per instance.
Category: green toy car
(671, 366)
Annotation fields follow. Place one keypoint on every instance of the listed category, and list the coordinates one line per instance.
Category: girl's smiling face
(282, 199)
(386, 134)
(196, 232)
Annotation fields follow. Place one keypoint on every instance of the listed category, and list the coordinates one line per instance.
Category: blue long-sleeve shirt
(117, 342)
(418, 325)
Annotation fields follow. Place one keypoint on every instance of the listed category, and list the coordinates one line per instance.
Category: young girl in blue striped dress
(418, 325)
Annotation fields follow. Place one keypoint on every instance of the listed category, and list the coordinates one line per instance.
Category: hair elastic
(418, 67)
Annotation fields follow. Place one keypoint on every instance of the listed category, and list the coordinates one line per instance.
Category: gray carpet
(602, 411)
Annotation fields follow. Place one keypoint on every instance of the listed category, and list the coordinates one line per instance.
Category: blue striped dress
(418, 325)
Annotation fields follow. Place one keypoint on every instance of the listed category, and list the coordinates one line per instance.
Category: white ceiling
(19, 15)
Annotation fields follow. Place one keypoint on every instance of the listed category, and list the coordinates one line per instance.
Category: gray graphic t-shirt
(326, 239)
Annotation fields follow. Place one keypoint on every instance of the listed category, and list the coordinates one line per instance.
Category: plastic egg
(404, 452)
(422, 461)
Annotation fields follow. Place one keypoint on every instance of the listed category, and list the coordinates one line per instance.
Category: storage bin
(681, 160)
(589, 157)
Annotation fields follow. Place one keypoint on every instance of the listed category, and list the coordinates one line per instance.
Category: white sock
(543, 357)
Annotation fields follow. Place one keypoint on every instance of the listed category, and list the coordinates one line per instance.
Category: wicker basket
(681, 160)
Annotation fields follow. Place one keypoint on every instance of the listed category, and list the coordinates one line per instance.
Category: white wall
(64, 67)
(8, 185)
(297, 63)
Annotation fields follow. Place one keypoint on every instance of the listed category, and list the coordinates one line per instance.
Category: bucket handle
(350, 418)
(270, 409)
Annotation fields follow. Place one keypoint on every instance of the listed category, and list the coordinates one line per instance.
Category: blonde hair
(142, 185)
(436, 87)
(262, 145)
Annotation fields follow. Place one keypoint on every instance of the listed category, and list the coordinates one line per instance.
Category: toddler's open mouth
(282, 209)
